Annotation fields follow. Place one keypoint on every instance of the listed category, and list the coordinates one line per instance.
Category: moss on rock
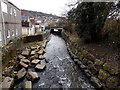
(91, 57)
(98, 62)
(109, 69)
(84, 52)
(111, 82)
(81, 57)
(103, 75)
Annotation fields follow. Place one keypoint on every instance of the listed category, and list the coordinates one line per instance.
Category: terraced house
(10, 22)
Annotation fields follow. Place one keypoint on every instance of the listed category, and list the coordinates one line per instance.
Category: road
(61, 71)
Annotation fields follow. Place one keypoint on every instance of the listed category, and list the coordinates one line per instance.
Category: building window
(15, 12)
(16, 32)
(11, 11)
(0, 35)
(4, 7)
(8, 34)
(13, 34)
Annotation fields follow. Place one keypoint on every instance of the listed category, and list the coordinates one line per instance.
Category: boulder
(8, 83)
(27, 85)
(96, 82)
(34, 57)
(26, 53)
(40, 67)
(40, 52)
(44, 44)
(21, 57)
(33, 53)
(112, 82)
(98, 62)
(26, 61)
(90, 57)
(36, 61)
(21, 73)
(92, 67)
(23, 65)
(111, 70)
(76, 60)
(103, 75)
(32, 76)
(41, 57)
(33, 47)
(83, 66)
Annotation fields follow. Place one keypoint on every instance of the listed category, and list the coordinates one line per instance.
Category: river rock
(21, 73)
(34, 57)
(23, 65)
(21, 57)
(44, 44)
(8, 83)
(76, 60)
(96, 82)
(25, 53)
(40, 66)
(36, 61)
(33, 53)
(27, 85)
(40, 52)
(83, 66)
(32, 76)
(26, 61)
(33, 47)
(41, 57)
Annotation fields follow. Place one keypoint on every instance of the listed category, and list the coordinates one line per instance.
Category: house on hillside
(10, 22)
(28, 23)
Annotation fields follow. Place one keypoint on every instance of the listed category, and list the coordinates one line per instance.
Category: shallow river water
(61, 71)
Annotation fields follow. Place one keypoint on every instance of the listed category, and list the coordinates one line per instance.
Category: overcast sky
(56, 7)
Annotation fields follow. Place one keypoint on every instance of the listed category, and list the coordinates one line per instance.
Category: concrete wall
(28, 31)
(10, 24)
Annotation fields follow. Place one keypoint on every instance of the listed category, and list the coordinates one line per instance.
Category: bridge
(56, 30)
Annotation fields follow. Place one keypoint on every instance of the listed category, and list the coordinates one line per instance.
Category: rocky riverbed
(46, 65)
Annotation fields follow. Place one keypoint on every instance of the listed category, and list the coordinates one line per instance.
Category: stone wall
(10, 50)
(100, 73)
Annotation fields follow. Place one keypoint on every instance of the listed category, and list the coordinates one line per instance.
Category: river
(61, 71)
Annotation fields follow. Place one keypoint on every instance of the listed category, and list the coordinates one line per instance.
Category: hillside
(38, 14)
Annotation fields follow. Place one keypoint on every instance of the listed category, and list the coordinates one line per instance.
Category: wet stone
(26, 61)
(33, 53)
(8, 83)
(76, 60)
(23, 65)
(21, 57)
(96, 82)
(40, 52)
(34, 57)
(21, 73)
(33, 47)
(25, 53)
(40, 67)
(83, 66)
(32, 76)
(41, 57)
(36, 61)
(27, 85)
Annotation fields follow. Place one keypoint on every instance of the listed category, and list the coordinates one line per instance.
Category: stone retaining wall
(9, 51)
(100, 73)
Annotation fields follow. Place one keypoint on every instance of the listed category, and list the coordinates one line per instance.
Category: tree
(90, 18)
